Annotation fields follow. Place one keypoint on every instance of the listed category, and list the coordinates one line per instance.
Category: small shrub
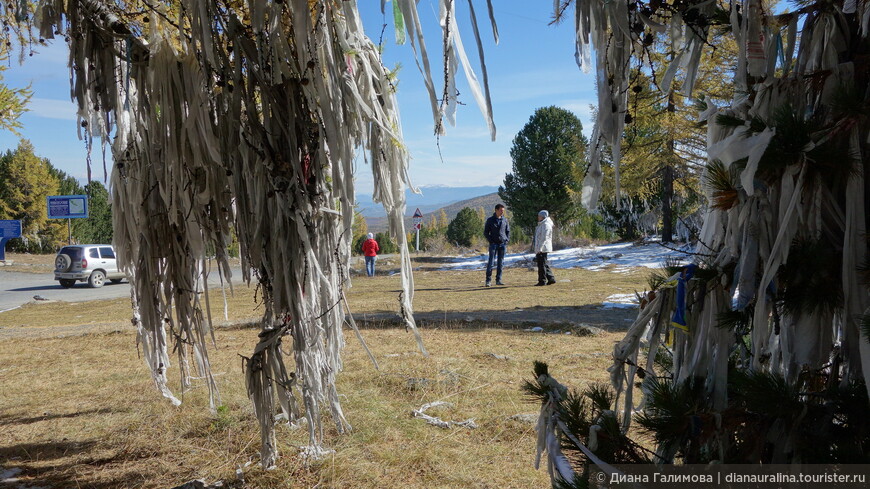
(436, 244)
(223, 419)
(563, 242)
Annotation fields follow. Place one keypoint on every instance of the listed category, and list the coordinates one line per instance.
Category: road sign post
(9, 228)
(418, 223)
(68, 207)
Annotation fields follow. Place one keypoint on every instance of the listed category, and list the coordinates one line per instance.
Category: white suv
(91, 263)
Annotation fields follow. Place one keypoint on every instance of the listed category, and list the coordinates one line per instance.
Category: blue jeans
(370, 265)
(495, 250)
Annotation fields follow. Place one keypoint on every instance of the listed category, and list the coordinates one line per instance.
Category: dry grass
(110, 314)
(463, 291)
(436, 292)
(81, 411)
(29, 263)
(34, 263)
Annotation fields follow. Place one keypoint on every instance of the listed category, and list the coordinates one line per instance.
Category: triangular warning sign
(417, 213)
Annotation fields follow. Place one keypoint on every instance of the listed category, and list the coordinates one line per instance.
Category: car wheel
(67, 283)
(117, 280)
(62, 263)
(97, 279)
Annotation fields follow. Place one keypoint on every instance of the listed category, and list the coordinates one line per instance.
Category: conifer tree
(664, 147)
(386, 243)
(546, 154)
(443, 221)
(97, 228)
(465, 227)
(67, 184)
(25, 184)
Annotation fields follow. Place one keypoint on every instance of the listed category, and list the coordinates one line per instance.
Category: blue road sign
(10, 228)
(67, 206)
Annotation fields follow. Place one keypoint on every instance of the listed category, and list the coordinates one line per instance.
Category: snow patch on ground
(9, 479)
(620, 301)
(622, 256)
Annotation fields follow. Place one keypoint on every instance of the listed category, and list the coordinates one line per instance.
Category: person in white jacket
(544, 245)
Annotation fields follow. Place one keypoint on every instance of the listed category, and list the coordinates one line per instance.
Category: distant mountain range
(487, 202)
(433, 197)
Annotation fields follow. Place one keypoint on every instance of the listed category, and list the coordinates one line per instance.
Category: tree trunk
(667, 212)
(668, 183)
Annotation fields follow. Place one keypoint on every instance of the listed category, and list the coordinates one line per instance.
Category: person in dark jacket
(497, 231)
(370, 250)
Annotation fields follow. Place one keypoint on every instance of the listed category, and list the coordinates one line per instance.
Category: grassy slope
(435, 291)
(82, 410)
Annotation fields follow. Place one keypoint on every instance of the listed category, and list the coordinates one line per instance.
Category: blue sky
(532, 66)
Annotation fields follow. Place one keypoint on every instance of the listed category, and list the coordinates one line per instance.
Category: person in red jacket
(370, 250)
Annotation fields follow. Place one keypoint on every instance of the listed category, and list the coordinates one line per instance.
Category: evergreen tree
(663, 146)
(465, 227)
(386, 243)
(66, 183)
(547, 155)
(97, 228)
(25, 184)
(356, 247)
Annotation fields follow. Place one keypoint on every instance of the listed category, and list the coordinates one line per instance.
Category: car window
(93, 253)
(107, 252)
(73, 252)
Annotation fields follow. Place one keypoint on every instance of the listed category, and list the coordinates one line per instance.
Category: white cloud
(52, 108)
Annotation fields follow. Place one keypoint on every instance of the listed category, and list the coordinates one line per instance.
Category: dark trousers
(495, 251)
(545, 275)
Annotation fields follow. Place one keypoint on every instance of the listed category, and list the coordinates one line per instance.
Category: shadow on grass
(434, 259)
(475, 288)
(73, 474)
(70, 463)
(10, 420)
(29, 452)
(91, 463)
(590, 318)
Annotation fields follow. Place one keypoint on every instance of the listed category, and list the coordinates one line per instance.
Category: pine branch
(865, 327)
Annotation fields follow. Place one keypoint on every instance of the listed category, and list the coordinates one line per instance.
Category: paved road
(18, 288)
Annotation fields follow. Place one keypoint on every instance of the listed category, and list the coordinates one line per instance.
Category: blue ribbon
(679, 318)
